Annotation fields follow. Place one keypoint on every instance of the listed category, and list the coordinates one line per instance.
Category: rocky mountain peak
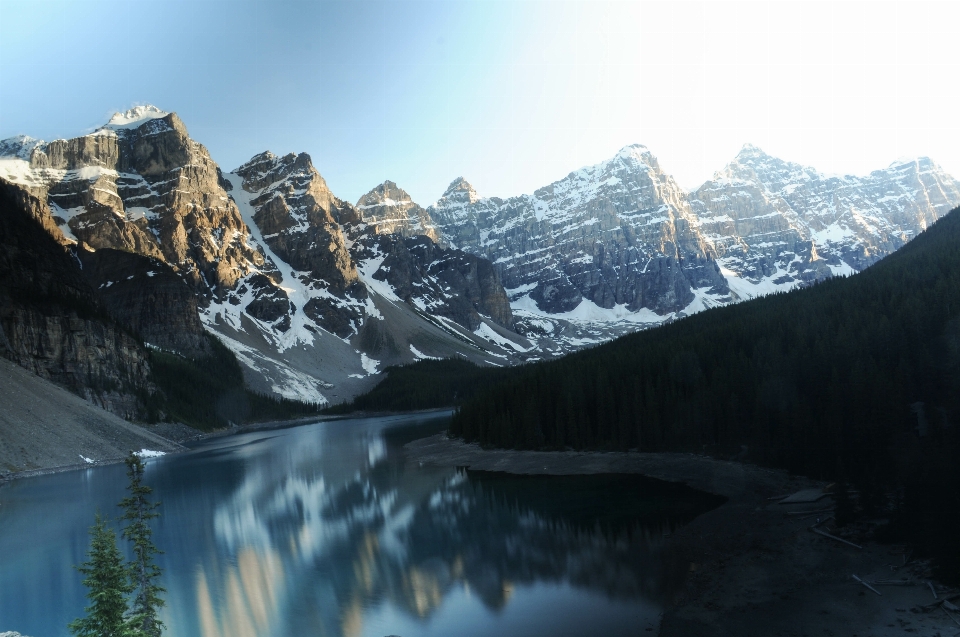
(135, 117)
(391, 210)
(751, 150)
(267, 168)
(460, 190)
(912, 165)
(386, 194)
(635, 153)
(753, 164)
(19, 146)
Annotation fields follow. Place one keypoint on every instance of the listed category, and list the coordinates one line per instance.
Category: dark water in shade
(325, 530)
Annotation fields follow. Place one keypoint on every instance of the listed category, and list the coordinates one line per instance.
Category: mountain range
(316, 295)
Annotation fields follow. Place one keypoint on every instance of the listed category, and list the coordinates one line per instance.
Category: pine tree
(108, 584)
(143, 572)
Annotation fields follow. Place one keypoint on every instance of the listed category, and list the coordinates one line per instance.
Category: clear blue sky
(510, 95)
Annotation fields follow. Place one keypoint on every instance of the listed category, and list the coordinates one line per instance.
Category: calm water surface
(325, 529)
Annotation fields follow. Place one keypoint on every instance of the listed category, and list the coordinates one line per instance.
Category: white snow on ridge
(488, 333)
(297, 292)
(421, 356)
(134, 117)
(366, 270)
(589, 312)
(745, 289)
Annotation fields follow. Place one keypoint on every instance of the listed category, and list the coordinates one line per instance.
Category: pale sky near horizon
(512, 95)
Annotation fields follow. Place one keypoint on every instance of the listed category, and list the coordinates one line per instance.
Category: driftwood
(926, 608)
(950, 616)
(830, 510)
(932, 589)
(867, 585)
(805, 496)
(834, 537)
(896, 582)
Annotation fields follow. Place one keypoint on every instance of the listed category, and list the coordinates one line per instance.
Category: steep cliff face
(299, 218)
(440, 282)
(778, 224)
(148, 298)
(52, 322)
(383, 298)
(390, 210)
(316, 295)
(398, 237)
(138, 184)
(616, 234)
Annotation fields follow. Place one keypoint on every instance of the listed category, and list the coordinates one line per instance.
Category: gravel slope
(43, 426)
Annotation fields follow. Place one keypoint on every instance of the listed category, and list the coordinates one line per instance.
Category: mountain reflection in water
(327, 530)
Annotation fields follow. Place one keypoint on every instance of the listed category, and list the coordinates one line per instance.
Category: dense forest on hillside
(855, 379)
(426, 384)
(208, 392)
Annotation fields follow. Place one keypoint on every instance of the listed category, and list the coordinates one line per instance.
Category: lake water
(325, 529)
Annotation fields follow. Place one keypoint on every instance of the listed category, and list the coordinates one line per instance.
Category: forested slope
(856, 379)
(809, 379)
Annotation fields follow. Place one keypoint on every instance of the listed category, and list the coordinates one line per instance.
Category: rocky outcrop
(622, 234)
(390, 210)
(618, 233)
(300, 218)
(174, 248)
(791, 225)
(140, 184)
(52, 322)
(147, 298)
(438, 281)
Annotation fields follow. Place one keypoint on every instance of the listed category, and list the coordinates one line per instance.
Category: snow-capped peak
(457, 186)
(633, 150)
(905, 162)
(19, 146)
(750, 150)
(135, 117)
(386, 194)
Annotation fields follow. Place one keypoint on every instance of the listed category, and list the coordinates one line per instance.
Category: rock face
(147, 298)
(299, 218)
(787, 224)
(316, 296)
(138, 184)
(390, 210)
(441, 282)
(618, 233)
(53, 323)
(618, 245)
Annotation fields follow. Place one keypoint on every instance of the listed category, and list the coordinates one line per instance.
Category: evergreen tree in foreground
(108, 583)
(143, 572)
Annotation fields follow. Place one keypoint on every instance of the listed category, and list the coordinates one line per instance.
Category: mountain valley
(316, 296)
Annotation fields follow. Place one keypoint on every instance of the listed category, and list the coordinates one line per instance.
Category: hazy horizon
(509, 95)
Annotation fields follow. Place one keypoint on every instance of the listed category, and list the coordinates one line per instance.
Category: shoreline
(188, 435)
(753, 565)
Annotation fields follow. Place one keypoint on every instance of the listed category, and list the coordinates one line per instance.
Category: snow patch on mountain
(134, 117)
(368, 364)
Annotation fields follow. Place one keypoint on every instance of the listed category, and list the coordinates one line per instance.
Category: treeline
(426, 384)
(208, 392)
(855, 379)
